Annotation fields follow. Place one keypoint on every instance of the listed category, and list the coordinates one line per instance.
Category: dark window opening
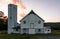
(48, 30)
(24, 22)
(39, 30)
(24, 29)
(16, 29)
(39, 22)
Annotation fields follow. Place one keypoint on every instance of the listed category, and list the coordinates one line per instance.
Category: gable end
(32, 12)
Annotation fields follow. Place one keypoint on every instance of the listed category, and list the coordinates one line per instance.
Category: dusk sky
(49, 10)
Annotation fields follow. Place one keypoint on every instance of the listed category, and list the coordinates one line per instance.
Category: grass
(13, 36)
(4, 35)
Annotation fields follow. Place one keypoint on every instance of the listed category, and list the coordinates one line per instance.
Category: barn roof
(32, 12)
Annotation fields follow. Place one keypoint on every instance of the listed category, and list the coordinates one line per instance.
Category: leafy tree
(3, 24)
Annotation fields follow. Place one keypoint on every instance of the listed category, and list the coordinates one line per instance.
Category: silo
(12, 17)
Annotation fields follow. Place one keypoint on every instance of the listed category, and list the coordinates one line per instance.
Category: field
(4, 35)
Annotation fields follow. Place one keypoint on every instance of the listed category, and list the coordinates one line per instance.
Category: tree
(3, 24)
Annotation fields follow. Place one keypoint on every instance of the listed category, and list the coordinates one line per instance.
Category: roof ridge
(31, 12)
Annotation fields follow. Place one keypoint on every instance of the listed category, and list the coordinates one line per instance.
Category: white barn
(30, 24)
(33, 24)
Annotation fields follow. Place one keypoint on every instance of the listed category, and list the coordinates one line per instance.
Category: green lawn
(4, 35)
(13, 36)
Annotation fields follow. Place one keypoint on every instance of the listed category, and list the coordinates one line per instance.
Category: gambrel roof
(32, 12)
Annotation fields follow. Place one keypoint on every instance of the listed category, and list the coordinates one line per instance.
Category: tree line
(54, 26)
(3, 24)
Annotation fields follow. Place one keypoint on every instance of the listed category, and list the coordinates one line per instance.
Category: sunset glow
(20, 6)
(49, 10)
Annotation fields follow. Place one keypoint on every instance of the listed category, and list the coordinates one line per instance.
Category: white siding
(24, 31)
(41, 30)
(32, 19)
(32, 23)
(31, 31)
(47, 30)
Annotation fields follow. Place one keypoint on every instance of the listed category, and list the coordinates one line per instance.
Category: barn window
(39, 22)
(16, 29)
(24, 22)
(39, 30)
(48, 30)
(24, 29)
